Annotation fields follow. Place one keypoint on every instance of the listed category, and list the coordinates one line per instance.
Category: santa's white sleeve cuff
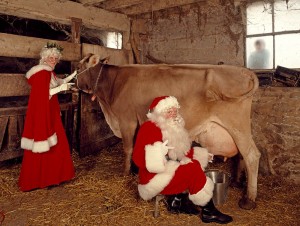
(202, 156)
(155, 157)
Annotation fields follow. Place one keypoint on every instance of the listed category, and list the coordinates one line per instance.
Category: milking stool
(158, 198)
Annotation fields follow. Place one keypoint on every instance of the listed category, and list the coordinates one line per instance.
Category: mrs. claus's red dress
(47, 159)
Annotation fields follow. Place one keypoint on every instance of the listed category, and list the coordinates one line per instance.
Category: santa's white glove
(70, 77)
(166, 148)
(155, 156)
(63, 87)
(202, 156)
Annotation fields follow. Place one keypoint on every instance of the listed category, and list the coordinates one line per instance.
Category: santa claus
(168, 165)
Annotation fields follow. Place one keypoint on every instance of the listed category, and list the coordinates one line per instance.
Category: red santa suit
(167, 165)
(47, 160)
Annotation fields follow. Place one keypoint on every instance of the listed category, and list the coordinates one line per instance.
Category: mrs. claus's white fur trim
(166, 103)
(156, 157)
(158, 182)
(203, 196)
(38, 68)
(201, 155)
(38, 146)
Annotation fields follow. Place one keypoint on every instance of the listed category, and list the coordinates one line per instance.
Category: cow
(215, 104)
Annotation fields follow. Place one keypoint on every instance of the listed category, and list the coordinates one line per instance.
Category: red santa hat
(160, 104)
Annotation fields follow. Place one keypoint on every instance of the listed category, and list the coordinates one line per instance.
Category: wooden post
(76, 24)
(76, 29)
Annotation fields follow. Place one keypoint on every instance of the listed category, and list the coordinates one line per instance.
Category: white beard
(173, 130)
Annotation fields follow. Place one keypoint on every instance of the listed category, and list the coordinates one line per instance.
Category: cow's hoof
(247, 204)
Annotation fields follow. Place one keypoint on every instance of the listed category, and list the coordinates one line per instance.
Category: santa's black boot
(181, 204)
(210, 214)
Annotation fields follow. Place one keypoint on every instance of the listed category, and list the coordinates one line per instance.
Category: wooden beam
(61, 12)
(118, 4)
(91, 2)
(149, 6)
(28, 47)
(13, 85)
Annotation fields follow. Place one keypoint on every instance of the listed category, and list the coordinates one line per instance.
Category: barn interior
(212, 32)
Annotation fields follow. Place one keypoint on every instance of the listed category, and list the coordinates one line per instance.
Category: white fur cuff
(155, 157)
(204, 195)
(202, 156)
(39, 146)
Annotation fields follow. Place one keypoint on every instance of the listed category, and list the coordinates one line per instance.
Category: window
(114, 40)
(109, 39)
(273, 34)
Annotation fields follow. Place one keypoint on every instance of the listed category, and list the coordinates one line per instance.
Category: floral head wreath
(51, 45)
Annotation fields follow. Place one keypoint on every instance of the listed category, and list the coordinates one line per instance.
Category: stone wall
(206, 32)
(276, 130)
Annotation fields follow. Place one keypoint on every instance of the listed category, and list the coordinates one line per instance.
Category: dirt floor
(100, 195)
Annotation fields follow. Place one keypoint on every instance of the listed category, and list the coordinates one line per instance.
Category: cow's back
(140, 84)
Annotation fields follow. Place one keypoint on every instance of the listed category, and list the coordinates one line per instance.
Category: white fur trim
(39, 146)
(166, 103)
(185, 160)
(156, 117)
(36, 69)
(155, 157)
(158, 182)
(203, 196)
(201, 155)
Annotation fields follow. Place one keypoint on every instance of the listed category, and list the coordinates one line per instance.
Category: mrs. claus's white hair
(46, 52)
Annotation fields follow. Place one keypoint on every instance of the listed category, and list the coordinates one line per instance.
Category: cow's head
(88, 79)
(91, 60)
(88, 69)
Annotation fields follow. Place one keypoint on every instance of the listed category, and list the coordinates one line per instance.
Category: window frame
(273, 34)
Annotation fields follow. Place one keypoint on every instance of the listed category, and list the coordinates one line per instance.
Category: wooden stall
(92, 131)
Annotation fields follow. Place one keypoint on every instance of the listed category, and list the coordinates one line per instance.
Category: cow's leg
(239, 171)
(128, 132)
(251, 157)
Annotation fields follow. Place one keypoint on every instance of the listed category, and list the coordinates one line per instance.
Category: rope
(98, 79)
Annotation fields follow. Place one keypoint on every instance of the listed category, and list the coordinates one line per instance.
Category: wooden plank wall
(27, 47)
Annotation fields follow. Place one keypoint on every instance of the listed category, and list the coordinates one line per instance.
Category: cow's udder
(216, 140)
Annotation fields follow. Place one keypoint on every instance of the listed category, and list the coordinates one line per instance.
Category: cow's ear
(105, 60)
(94, 60)
(86, 58)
